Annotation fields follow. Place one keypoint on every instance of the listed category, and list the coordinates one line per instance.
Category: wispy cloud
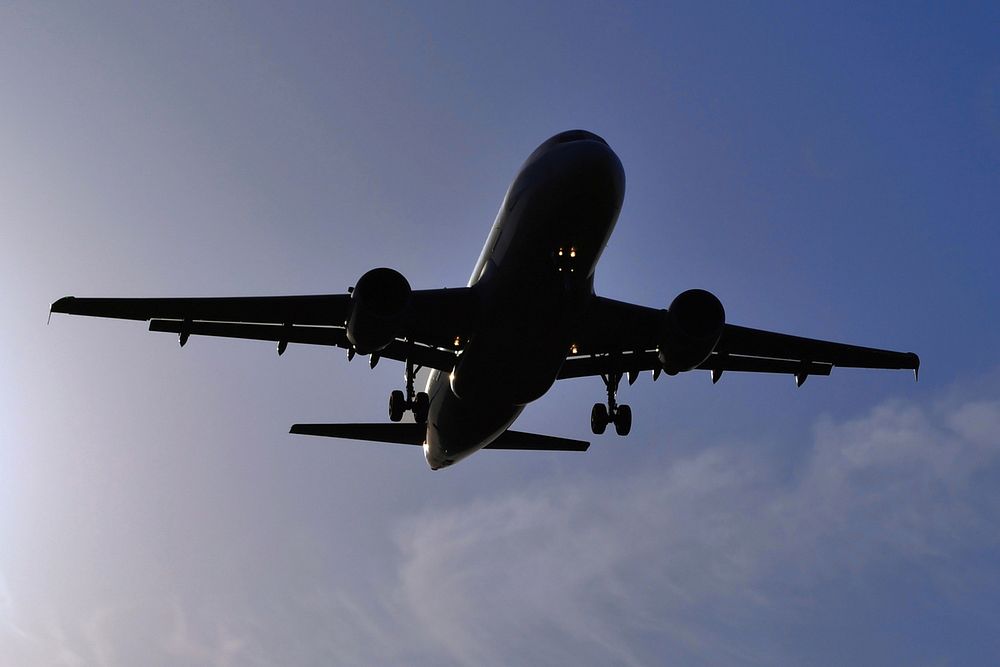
(728, 556)
(184, 644)
(699, 561)
(18, 646)
(7, 612)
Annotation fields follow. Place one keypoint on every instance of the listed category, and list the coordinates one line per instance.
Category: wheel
(421, 405)
(599, 418)
(623, 420)
(397, 405)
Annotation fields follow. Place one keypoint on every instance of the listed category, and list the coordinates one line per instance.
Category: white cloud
(184, 644)
(729, 556)
(7, 612)
(698, 561)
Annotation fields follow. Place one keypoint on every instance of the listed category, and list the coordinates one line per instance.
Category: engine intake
(378, 304)
(690, 330)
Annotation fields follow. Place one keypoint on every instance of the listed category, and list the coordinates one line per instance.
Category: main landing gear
(602, 415)
(418, 402)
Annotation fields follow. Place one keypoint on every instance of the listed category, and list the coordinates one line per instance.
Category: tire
(598, 418)
(623, 420)
(421, 406)
(397, 405)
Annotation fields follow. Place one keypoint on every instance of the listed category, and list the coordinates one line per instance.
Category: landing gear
(397, 405)
(421, 406)
(623, 420)
(599, 418)
(418, 402)
(620, 415)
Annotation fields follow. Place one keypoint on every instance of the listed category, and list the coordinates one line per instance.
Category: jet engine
(690, 330)
(378, 304)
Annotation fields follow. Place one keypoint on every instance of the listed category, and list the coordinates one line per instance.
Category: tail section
(415, 434)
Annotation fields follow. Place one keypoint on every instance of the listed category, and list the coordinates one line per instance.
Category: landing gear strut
(418, 402)
(601, 415)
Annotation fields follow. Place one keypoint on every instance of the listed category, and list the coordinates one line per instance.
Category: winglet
(60, 306)
(916, 367)
(63, 305)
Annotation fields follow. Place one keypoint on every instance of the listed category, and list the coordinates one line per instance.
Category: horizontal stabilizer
(400, 434)
(414, 434)
(534, 441)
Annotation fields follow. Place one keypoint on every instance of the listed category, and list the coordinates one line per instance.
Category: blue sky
(831, 171)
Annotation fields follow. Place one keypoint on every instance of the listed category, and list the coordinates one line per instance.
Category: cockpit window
(575, 135)
(566, 137)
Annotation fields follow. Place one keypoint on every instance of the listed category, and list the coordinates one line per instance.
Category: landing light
(458, 341)
(572, 349)
(572, 252)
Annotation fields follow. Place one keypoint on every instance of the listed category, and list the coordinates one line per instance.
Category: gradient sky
(831, 171)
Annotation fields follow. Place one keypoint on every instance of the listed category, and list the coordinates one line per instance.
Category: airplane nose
(589, 162)
(583, 157)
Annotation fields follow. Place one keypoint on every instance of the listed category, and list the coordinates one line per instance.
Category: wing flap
(272, 332)
(588, 366)
(729, 362)
(421, 355)
(635, 362)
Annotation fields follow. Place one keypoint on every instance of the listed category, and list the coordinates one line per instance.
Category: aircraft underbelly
(516, 360)
(457, 428)
(509, 364)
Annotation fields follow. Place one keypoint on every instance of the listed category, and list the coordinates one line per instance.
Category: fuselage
(533, 281)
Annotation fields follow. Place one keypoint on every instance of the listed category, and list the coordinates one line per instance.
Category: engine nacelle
(690, 330)
(378, 303)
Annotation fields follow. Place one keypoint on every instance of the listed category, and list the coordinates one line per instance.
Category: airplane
(529, 316)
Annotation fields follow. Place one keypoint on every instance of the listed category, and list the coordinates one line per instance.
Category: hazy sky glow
(832, 172)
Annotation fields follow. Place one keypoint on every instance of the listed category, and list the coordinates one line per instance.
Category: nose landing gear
(620, 415)
(418, 402)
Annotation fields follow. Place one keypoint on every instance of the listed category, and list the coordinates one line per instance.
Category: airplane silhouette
(528, 317)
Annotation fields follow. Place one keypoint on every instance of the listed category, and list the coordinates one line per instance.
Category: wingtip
(61, 305)
(916, 367)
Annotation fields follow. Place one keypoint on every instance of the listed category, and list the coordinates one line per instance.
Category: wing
(434, 320)
(319, 309)
(618, 337)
